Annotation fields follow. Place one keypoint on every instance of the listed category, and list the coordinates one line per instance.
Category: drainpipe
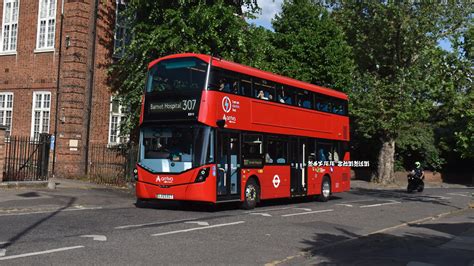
(91, 86)
(53, 170)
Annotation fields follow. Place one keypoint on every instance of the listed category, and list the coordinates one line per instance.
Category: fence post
(44, 143)
(2, 151)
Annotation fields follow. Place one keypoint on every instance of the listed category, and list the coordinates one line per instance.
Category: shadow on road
(227, 206)
(346, 248)
(25, 231)
(401, 194)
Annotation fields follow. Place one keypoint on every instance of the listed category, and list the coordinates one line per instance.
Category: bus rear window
(180, 74)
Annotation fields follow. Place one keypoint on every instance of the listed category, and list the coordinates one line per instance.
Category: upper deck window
(227, 81)
(178, 75)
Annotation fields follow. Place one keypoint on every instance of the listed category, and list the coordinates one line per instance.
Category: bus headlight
(202, 175)
(135, 174)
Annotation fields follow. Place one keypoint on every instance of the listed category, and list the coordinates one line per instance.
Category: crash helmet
(417, 164)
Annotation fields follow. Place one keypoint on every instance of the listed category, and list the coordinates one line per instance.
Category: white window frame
(12, 23)
(120, 25)
(6, 106)
(120, 115)
(48, 32)
(42, 109)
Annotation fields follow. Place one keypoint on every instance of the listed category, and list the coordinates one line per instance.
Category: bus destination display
(173, 106)
(157, 109)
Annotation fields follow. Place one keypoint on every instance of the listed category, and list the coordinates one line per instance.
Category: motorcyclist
(418, 171)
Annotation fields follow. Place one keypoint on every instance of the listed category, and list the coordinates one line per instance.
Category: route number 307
(188, 105)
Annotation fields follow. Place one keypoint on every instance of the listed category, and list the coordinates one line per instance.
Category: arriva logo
(164, 179)
(226, 104)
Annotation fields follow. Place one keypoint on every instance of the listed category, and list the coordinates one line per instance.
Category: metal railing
(112, 165)
(27, 159)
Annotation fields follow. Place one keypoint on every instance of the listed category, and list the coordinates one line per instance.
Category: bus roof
(256, 73)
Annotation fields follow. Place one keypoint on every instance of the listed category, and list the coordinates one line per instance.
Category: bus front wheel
(141, 203)
(251, 194)
(325, 189)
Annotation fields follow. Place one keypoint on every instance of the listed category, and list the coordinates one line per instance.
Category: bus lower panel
(204, 191)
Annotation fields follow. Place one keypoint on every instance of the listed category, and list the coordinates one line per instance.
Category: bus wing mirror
(220, 122)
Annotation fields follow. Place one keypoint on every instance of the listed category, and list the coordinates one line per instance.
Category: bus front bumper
(204, 191)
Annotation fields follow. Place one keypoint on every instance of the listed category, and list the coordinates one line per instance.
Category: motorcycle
(415, 183)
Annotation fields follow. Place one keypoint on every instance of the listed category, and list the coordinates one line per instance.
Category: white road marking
(3, 252)
(261, 213)
(197, 228)
(39, 253)
(51, 211)
(380, 204)
(301, 213)
(156, 223)
(198, 223)
(96, 237)
(269, 210)
(354, 201)
(438, 197)
(346, 205)
(460, 194)
(304, 209)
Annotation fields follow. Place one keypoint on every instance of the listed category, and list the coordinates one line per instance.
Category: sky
(272, 7)
(269, 9)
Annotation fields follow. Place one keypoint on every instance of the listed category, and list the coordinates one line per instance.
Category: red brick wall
(27, 72)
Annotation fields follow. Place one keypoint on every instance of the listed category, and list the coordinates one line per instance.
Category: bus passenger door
(297, 167)
(228, 166)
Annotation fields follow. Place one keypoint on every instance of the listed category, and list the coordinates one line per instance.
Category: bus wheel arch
(326, 190)
(251, 193)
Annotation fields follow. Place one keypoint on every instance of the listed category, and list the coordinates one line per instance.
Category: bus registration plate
(164, 196)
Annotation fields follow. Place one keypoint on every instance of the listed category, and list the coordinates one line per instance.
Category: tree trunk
(386, 163)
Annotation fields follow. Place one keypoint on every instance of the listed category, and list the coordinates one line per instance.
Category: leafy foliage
(310, 46)
(400, 77)
(165, 27)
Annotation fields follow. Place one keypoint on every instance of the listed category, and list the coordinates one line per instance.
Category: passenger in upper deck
(261, 95)
(235, 87)
(224, 86)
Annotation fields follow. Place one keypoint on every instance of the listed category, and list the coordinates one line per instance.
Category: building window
(117, 116)
(121, 38)
(46, 24)
(6, 111)
(41, 113)
(9, 26)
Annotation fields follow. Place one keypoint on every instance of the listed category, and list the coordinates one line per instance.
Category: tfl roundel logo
(226, 104)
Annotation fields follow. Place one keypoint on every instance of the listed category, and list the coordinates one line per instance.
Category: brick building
(29, 56)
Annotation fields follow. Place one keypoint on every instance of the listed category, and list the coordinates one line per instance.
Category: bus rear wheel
(325, 189)
(251, 195)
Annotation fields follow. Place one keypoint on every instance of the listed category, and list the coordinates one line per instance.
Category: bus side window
(305, 99)
(276, 151)
(322, 104)
(323, 150)
(336, 152)
(310, 151)
(252, 151)
(214, 79)
(264, 90)
(246, 86)
(224, 81)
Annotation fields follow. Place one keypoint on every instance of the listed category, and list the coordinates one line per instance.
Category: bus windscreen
(180, 74)
(174, 149)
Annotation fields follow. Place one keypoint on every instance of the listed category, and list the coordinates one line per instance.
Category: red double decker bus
(217, 131)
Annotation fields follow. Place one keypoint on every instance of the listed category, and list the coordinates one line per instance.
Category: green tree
(163, 27)
(310, 46)
(394, 43)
